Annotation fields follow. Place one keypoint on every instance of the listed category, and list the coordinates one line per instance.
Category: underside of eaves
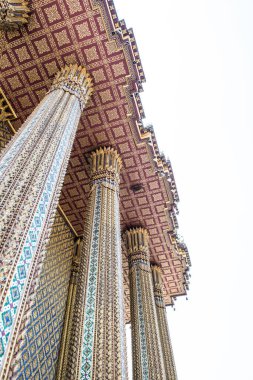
(89, 33)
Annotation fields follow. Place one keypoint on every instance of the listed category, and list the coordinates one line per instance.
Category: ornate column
(32, 170)
(168, 357)
(146, 346)
(97, 343)
(13, 13)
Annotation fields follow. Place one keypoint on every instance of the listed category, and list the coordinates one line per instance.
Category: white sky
(198, 58)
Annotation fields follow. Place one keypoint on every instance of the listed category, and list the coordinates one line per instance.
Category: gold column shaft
(63, 356)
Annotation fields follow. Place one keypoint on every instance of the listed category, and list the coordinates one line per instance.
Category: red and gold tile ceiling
(89, 33)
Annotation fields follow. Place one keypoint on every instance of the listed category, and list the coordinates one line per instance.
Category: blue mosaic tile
(21, 272)
(142, 334)
(7, 318)
(1, 347)
(15, 293)
(25, 356)
(27, 250)
(28, 372)
(90, 303)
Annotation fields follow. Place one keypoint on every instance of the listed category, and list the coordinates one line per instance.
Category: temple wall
(40, 349)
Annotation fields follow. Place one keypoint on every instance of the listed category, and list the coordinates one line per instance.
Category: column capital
(136, 240)
(106, 163)
(157, 273)
(13, 14)
(75, 80)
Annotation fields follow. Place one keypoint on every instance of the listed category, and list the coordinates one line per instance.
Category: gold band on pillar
(168, 357)
(13, 13)
(63, 356)
(146, 347)
(97, 348)
(32, 170)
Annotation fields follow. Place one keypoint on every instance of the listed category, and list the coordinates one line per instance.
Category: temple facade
(88, 230)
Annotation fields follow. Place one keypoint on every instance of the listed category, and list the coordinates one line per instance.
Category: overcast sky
(198, 58)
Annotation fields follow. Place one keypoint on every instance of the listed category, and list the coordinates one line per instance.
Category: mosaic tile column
(168, 357)
(32, 170)
(146, 346)
(97, 346)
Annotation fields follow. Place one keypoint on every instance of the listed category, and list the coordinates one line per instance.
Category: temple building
(88, 204)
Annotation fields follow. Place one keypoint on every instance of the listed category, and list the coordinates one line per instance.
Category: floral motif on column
(32, 170)
(97, 345)
(146, 346)
(168, 357)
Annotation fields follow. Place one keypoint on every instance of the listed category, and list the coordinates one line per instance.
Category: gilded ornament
(13, 14)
